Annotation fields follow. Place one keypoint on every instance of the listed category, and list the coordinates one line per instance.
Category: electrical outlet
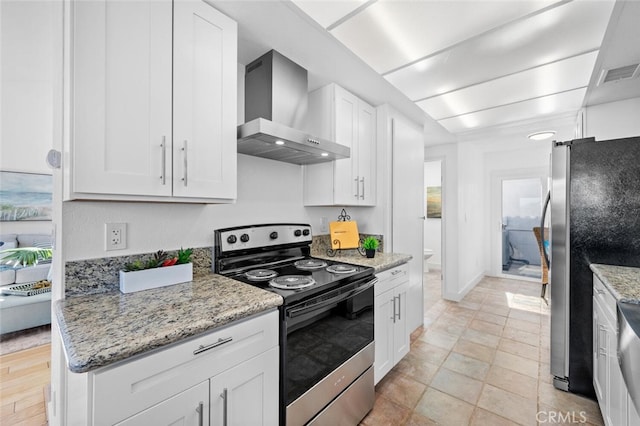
(115, 236)
(324, 224)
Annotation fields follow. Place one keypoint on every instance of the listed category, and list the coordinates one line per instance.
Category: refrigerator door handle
(544, 214)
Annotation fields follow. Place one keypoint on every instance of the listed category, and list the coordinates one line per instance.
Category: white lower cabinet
(248, 393)
(226, 377)
(608, 382)
(188, 408)
(391, 327)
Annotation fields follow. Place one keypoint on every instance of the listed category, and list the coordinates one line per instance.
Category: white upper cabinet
(152, 101)
(338, 115)
(204, 102)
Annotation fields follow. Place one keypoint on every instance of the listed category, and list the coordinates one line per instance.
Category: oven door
(328, 346)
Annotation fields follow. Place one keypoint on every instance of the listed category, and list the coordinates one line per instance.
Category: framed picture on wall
(434, 202)
(25, 196)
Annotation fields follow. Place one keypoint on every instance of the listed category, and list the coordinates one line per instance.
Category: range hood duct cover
(275, 109)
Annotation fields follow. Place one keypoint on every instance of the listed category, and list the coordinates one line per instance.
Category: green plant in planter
(184, 255)
(25, 256)
(160, 259)
(370, 243)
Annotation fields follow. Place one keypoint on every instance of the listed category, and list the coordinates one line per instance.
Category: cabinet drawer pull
(396, 272)
(184, 148)
(225, 397)
(200, 411)
(164, 160)
(220, 342)
(599, 291)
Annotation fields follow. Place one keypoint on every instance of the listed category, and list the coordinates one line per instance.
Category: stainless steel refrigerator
(595, 218)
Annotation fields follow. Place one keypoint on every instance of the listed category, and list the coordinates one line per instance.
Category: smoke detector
(618, 74)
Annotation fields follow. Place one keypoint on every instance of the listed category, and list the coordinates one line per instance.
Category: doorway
(521, 208)
(433, 231)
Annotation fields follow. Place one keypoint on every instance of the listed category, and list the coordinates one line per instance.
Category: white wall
(268, 191)
(613, 120)
(432, 226)
(471, 216)
(26, 93)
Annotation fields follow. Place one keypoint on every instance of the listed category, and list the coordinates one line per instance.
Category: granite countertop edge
(381, 261)
(622, 281)
(98, 330)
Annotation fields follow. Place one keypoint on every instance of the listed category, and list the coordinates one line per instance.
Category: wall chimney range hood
(275, 109)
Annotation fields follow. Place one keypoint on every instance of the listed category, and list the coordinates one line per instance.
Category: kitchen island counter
(381, 262)
(622, 281)
(100, 329)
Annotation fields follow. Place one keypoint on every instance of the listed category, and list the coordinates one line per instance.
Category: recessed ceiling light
(539, 136)
(325, 154)
(279, 142)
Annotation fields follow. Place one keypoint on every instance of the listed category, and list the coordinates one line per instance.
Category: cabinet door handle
(225, 397)
(186, 162)
(164, 160)
(220, 342)
(357, 187)
(393, 317)
(362, 182)
(399, 308)
(200, 411)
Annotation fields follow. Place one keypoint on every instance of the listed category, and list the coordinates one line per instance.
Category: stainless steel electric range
(326, 321)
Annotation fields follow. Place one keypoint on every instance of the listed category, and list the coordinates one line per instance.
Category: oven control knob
(273, 235)
(305, 232)
(244, 238)
(297, 232)
(231, 239)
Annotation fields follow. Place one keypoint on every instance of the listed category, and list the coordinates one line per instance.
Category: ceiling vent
(618, 74)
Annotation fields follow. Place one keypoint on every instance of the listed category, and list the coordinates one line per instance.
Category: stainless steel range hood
(275, 109)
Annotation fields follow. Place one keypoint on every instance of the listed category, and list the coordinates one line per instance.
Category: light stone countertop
(622, 281)
(381, 262)
(100, 329)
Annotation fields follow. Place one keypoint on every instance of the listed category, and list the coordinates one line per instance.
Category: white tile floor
(483, 361)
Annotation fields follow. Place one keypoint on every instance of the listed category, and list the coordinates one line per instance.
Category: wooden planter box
(156, 277)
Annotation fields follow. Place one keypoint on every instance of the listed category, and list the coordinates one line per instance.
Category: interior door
(407, 213)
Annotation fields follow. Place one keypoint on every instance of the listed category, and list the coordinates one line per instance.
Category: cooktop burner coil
(310, 264)
(341, 269)
(260, 274)
(292, 282)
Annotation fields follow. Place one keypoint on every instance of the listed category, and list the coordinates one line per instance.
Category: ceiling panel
(556, 77)
(328, 12)
(388, 34)
(562, 32)
(540, 107)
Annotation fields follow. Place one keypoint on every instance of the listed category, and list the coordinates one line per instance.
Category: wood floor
(24, 375)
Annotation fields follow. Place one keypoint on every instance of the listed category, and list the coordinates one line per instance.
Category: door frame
(495, 217)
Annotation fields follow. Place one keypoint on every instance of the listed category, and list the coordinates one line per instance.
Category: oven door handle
(294, 312)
